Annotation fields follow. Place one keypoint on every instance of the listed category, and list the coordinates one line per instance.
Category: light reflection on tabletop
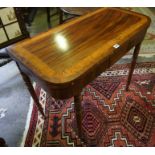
(61, 42)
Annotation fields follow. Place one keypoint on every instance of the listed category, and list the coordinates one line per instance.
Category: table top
(68, 51)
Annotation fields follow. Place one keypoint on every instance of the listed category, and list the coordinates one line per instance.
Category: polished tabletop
(68, 51)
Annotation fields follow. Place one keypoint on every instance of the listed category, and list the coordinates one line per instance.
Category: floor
(14, 104)
(14, 97)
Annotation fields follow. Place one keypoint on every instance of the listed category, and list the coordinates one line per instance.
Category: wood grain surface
(68, 57)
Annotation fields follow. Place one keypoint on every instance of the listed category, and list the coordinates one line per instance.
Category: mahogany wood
(133, 63)
(65, 59)
(31, 90)
(78, 112)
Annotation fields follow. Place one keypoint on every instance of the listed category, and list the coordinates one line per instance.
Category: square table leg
(133, 63)
(31, 91)
(78, 114)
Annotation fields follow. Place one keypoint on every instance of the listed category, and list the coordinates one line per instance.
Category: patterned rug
(148, 46)
(112, 116)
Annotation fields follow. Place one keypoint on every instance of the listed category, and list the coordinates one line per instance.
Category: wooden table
(65, 59)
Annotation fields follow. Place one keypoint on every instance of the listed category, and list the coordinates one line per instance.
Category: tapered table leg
(31, 90)
(78, 113)
(133, 63)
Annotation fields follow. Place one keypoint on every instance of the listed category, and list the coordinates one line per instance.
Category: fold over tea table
(65, 59)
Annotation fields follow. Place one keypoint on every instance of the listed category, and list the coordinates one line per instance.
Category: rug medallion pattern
(112, 116)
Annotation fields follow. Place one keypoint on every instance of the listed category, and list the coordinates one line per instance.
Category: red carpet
(112, 116)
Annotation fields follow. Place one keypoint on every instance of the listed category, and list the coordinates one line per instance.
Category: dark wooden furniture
(12, 29)
(65, 59)
(74, 12)
(49, 14)
(13, 26)
(28, 14)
